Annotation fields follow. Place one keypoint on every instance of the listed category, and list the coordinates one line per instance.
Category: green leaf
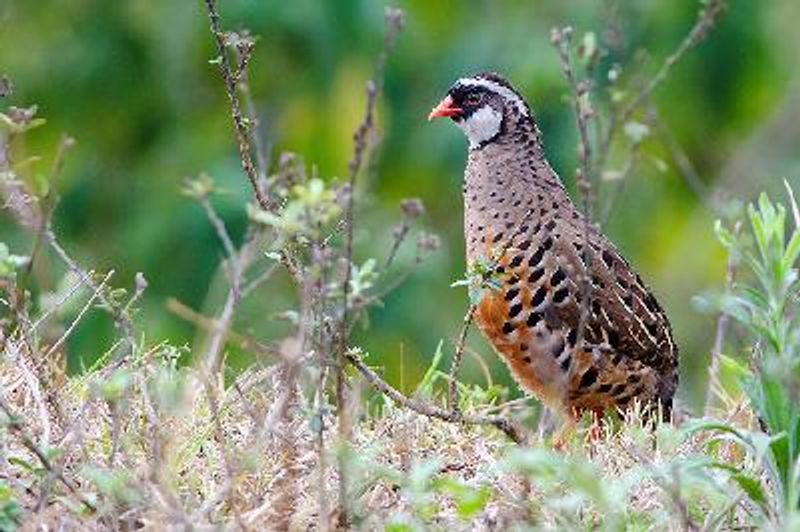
(752, 487)
(425, 386)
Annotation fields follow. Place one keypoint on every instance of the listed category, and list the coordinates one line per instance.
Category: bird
(576, 325)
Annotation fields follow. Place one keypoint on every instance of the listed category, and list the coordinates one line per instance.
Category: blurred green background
(131, 81)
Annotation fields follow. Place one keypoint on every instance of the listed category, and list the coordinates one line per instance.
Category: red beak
(446, 107)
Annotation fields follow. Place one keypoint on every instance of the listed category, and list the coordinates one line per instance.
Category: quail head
(577, 326)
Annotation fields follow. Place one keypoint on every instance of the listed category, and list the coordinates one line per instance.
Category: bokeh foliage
(131, 81)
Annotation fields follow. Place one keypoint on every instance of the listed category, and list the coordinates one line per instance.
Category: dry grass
(143, 448)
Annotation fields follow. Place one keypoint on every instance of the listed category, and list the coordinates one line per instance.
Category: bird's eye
(473, 99)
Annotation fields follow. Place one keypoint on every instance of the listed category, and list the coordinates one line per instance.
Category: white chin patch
(482, 125)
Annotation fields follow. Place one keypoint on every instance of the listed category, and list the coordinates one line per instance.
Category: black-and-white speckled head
(483, 106)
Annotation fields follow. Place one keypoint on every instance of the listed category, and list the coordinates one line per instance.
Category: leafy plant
(768, 309)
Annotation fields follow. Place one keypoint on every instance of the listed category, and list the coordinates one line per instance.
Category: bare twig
(684, 164)
(458, 357)
(507, 426)
(56, 346)
(707, 18)
(121, 316)
(241, 126)
(394, 23)
(584, 177)
(17, 428)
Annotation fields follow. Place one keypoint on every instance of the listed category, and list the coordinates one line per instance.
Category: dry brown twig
(241, 125)
(580, 91)
(507, 426)
(19, 430)
(458, 356)
(394, 24)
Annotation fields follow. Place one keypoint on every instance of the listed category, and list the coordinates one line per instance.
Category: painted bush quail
(520, 224)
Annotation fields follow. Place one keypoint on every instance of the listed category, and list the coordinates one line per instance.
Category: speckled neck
(507, 183)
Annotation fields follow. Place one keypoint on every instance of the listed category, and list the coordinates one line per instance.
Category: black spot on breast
(538, 296)
(557, 277)
(525, 244)
(589, 377)
(566, 363)
(535, 275)
(500, 269)
(618, 389)
(572, 337)
(516, 261)
(508, 327)
(604, 388)
(514, 311)
(536, 258)
(613, 337)
(560, 295)
(534, 318)
(547, 244)
(523, 229)
(523, 347)
(511, 294)
(497, 238)
(549, 226)
(513, 280)
(527, 360)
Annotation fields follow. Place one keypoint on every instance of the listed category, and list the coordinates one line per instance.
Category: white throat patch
(482, 125)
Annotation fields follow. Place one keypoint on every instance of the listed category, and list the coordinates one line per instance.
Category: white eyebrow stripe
(505, 92)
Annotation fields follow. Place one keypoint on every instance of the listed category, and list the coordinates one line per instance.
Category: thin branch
(121, 316)
(458, 358)
(507, 426)
(56, 346)
(241, 126)
(580, 92)
(394, 22)
(685, 166)
(16, 427)
(707, 18)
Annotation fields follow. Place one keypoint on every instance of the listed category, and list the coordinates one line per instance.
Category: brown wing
(623, 314)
